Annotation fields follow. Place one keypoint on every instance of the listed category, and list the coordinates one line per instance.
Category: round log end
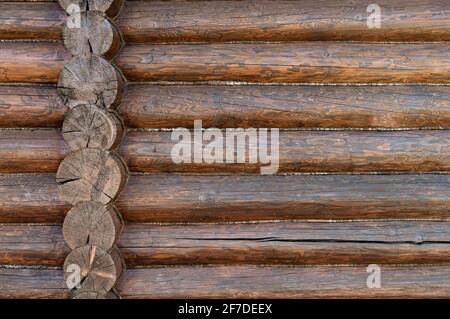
(110, 7)
(89, 126)
(90, 80)
(90, 223)
(91, 174)
(92, 269)
(96, 35)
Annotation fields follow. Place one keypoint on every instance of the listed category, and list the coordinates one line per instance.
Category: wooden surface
(31, 21)
(31, 62)
(224, 231)
(206, 198)
(407, 281)
(165, 106)
(294, 62)
(306, 62)
(153, 21)
(40, 151)
(263, 20)
(284, 243)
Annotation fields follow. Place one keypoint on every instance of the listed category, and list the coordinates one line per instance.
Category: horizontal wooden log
(293, 243)
(304, 62)
(162, 106)
(41, 151)
(165, 106)
(409, 281)
(36, 21)
(266, 20)
(220, 198)
(31, 62)
(166, 21)
(30, 106)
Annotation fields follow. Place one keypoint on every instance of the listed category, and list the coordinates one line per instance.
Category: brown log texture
(294, 62)
(165, 21)
(222, 198)
(31, 62)
(285, 242)
(306, 62)
(41, 151)
(408, 281)
(166, 106)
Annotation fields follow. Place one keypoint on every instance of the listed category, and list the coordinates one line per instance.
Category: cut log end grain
(110, 7)
(90, 223)
(91, 175)
(90, 80)
(97, 35)
(89, 126)
(95, 295)
(98, 269)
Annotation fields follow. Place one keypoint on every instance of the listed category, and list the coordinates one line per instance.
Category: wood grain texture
(222, 198)
(31, 62)
(286, 242)
(295, 62)
(30, 106)
(166, 106)
(37, 21)
(40, 151)
(306, 62)
(409, 281)
(166, 21)
(217, 21)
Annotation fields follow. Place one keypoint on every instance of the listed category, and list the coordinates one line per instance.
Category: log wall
(364, 149)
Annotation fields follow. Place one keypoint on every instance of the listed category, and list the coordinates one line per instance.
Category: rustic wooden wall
(364, 149)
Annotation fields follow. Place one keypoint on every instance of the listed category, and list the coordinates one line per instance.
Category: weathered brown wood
(31, 21)
(408, 281)
(23, 151)
(90, 80)
(304, 62)
(99, 269)
(220, 198)
(110, 7)
(31, 62)
(165, 106)
(284, 282)
(165, 21)
(285, 242)
(90, 126)
(97, 34)
(30, 106)
(306, 151)
(90, 223)
(91, 175)
(152, 21)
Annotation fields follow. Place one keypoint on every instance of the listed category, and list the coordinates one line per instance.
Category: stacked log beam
(92, 175)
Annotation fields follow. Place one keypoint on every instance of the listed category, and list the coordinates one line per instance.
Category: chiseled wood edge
(294, 62)
(287, 242)
(40, 151)
(225, 198)
(165, 21)
(224, 106)
(408, 281)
